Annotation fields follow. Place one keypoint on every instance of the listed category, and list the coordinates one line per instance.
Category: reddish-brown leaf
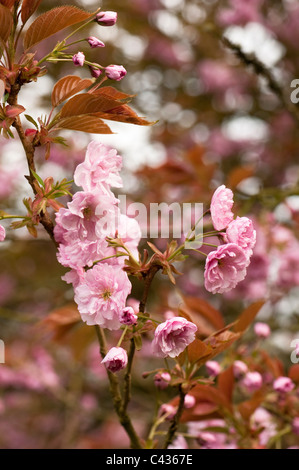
(239, 174)
(8, 3)
(201, 310)
(198, 350)
(294, 373)
(6, 22)
(274, 365)
(125, 114)
(53, 21)
(60, 321)
(226, 382)
(87, 103)
(112, 92)
(208, 400)
(247, 408)
(84, 123)
(68, 86)
(221, 341)
(209, 403)
(28, 8)
(247, 316)
(202, 410)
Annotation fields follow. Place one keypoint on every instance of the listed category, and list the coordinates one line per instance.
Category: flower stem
(124, 418)
(175, 421)
(122, 337)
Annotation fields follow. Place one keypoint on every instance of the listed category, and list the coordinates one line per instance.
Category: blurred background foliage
(218, 123)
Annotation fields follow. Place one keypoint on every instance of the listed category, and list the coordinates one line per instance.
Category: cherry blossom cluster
(101, 286)
(227, 265)
(250, 377)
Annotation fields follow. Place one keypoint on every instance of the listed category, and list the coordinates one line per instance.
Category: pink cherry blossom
(209, 439)
(75, 253)
(74, 276)
(261, 418)
(80, 215)
(178, 443)
(129, 231)
(2, 233)
(262, 330)
(252, 381)
(168, 410)
(213, 368)
(241, 232)
(241, 12)
(116, 359)
(189, 401)
(288, 274)
(100, 169)
(88, 215)
(173, 336)
(225, 268)
(221, 205)
(239, 369)
(283, 384)
(101, 297)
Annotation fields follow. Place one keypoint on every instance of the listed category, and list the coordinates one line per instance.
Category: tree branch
(116, 395)
(176, 420)
(29, 149)
(261, 70)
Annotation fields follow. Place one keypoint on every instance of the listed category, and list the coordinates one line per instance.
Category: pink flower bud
(169, 410)
(252, 381)
(128, 316)
(78, 59)
(295, 425)
(95, 42)
(213, 368)
(95, 72)
(106, 18)
(116, 359)
(161, 380)
(30, 132)
(115, 72)
(2, 233)
(283, 384)
(239, 369)
(262, 330)
(189, 401)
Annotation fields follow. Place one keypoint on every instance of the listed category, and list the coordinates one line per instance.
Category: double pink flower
(226, 266)
(173, 336)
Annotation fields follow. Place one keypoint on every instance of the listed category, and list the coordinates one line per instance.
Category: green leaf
(138, 342)
(31, 120)
(38, 178)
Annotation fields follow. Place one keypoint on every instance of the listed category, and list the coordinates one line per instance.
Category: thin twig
(117, 399)
(29, 149)
(261, 70)
(176, 419)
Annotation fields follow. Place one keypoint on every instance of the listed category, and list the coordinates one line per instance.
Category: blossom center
(106, 294)
(87, 212)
